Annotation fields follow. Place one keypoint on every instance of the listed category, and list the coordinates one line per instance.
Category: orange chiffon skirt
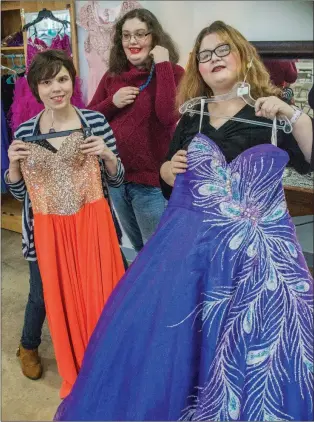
(80, 263)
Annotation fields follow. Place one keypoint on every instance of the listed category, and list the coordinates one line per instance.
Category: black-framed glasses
(138, 36)
(220, 51)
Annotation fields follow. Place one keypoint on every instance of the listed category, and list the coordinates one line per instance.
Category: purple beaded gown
(214, 319)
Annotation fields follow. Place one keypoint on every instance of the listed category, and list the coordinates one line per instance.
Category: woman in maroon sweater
(137, 96)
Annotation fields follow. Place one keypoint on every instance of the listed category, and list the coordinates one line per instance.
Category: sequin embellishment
(62, 182)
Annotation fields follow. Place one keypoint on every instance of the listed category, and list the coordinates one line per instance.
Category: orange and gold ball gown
(77, 247)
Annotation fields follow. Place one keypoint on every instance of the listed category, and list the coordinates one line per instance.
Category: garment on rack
(7, 95)
(76, 244)
(100, 25)
(7, 90)
(281, 71)
(13, 40)
(214, 319)
(25, 106)
(4, 148)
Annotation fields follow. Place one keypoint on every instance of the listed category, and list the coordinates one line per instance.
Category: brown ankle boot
(30, 362)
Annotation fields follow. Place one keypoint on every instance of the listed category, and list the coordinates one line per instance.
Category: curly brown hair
(192, 84)
(118, 60)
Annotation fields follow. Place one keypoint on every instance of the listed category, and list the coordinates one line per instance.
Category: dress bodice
(61, 182)
(37, 45)
(248, 187)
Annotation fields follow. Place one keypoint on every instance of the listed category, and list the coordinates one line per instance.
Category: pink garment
(99, 38)
(25, 106)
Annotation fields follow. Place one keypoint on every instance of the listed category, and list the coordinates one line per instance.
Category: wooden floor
(11, 213)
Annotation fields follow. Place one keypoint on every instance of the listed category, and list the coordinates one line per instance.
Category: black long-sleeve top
(233, 138)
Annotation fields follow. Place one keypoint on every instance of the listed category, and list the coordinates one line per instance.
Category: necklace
(148, 79)
(52, 129)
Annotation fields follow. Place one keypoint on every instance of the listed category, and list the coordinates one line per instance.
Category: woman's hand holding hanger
(95, 145)
(18, 150)
(302, 125)
(272, 106)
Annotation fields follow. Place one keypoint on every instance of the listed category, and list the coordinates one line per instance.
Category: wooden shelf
(10, 5)
(19, 48)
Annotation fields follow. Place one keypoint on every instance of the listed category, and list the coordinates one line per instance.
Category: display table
(299, 191)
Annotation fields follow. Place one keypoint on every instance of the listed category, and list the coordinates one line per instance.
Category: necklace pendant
(51, 130)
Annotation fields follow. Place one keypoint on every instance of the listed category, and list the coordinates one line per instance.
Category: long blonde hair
(192, 84)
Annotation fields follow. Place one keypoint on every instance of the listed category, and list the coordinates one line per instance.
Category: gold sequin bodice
(61, 182)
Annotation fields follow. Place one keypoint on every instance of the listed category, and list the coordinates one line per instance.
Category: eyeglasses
(220, 51)
(138, 36)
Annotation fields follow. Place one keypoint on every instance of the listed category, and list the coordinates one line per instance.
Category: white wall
(257, 20)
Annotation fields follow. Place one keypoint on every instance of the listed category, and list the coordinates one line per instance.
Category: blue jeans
(139, 208)
(35, 311)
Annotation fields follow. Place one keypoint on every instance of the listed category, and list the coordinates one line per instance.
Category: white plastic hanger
(273, 125)
(239, 90)
(14, 73)
(8, 68)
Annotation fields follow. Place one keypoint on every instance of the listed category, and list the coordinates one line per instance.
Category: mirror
(300, 55)
(303, 85)
(295, 76)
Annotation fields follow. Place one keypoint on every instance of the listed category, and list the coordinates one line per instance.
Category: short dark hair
(46, 65)
(117, 59)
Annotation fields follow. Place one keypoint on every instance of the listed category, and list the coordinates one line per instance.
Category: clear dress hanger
(239, 90)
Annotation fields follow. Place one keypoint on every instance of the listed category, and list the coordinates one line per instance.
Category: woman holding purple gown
(214, 319)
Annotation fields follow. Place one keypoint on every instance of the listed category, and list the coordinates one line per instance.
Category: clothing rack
(13, 15)
(13, 56)
(12, 66)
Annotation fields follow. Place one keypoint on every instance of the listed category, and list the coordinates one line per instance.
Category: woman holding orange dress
(65, 180)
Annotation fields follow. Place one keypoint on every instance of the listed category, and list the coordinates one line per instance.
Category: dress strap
(202, 113)
(274, 132)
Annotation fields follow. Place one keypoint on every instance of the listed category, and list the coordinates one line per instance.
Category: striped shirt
(99, 127)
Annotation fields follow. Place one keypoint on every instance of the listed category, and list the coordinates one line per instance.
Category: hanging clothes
(4, 148)
(25, 106)
(7, 95)
(100, 25)
(7, 92)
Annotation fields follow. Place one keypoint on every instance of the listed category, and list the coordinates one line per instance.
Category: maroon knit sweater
(143, 129)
